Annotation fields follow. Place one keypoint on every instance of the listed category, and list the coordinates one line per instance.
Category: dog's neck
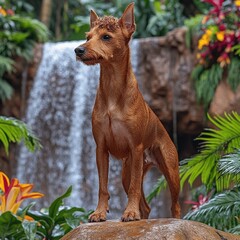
(117, 77)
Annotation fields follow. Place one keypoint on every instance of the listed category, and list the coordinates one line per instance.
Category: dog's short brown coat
(123, 125)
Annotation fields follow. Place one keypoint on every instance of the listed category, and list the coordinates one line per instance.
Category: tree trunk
(46, 10)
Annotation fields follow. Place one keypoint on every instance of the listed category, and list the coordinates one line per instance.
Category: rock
(225, 100)
(159, 229)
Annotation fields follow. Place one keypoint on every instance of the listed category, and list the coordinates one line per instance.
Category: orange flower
(223, 60)
(2, 12)
(12, 193)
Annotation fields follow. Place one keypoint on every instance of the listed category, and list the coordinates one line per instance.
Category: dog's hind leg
(167, 161)
(126, 178)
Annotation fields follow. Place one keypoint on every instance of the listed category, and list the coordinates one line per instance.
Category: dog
(123, 124)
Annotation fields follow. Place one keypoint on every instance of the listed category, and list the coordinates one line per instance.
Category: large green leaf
(10, 226)
(54, 208)
(13, 130)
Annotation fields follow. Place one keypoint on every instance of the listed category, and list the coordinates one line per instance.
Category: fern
(220, 212)
(215, 144)
(13, 130)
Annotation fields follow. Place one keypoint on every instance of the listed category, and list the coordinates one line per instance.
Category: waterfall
(59, 113)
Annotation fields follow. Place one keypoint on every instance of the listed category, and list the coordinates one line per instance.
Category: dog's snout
(80, 50)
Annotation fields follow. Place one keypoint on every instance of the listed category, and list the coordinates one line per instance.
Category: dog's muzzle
(80, 51)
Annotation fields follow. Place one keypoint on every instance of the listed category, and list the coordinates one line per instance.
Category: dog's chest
(114, 126)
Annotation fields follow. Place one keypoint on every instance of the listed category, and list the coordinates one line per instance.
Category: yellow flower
(237, 3)
(2, 12)
(12, 193)
(220, 35)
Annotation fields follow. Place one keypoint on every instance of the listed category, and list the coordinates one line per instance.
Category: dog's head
(108, 37)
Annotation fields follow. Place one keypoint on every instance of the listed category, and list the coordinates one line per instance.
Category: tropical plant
(217, 165)
(13, 193)
(218, 50)
(215, 143)
(153, 18)
(58, 220)
(50, 223)
(13, 130)
(221, 212)
(18, 37)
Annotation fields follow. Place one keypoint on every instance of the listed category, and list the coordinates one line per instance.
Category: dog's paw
(97, 217)
(130, 216)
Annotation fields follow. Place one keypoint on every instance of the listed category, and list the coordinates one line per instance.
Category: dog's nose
(80, 50)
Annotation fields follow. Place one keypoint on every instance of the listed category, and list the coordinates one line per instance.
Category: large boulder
(159, 229)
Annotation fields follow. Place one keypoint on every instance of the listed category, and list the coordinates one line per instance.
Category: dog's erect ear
(93, 18)
(127, 19)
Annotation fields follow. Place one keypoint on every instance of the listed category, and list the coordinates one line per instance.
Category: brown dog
(123, 124)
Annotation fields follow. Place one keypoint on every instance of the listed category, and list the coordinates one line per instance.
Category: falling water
(59, 113)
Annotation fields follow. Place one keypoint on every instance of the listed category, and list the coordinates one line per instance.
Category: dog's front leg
(132, 211)
(102, 165)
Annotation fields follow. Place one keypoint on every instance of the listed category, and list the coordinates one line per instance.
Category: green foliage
(153, 18)
(236, 49)
(13, 130)
(215, 144)
(229, 166)
(193, 25)
(10, 227)
(234, 72)
(18, 36)
(206, 82)
(52, 223)
(221, 212)
(160, 185)
(58, 220)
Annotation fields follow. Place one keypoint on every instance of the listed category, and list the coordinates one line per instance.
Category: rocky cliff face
(161, 229)
(164, 73)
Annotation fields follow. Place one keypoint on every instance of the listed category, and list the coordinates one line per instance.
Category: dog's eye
(106, 37)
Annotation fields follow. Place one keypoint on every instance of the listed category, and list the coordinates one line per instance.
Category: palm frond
(160, 185)
(220, 212)
(230, 165)
(13, 130)
(215, 144)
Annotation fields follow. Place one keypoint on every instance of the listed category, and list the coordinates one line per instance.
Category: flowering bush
(50, 223)
(218, 49)
(221, 33)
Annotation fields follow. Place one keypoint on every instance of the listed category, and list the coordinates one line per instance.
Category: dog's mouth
(89, 61)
